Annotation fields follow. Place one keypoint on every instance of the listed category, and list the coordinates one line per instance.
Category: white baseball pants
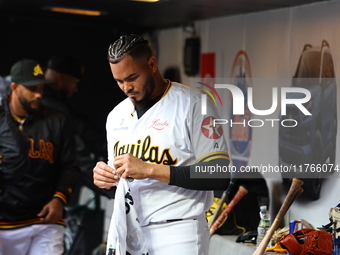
(42, 239)
(179, 237)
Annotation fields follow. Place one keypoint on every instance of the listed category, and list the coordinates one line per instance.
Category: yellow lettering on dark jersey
(144, 151)
(45, 150)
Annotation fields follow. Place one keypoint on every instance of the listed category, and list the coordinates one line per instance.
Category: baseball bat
(239, 194)
(294, 191)
(221, 202)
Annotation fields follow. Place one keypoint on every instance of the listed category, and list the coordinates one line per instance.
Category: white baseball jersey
(172, 132)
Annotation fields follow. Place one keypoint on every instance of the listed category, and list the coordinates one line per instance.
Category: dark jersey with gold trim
(52, 171)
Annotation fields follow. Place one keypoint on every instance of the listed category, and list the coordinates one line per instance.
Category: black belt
(167, 221)
(173, 220)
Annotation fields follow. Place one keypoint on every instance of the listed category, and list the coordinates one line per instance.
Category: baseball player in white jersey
(155, 136)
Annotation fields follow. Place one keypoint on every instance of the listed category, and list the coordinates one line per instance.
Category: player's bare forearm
(160, 173)
(128, 165)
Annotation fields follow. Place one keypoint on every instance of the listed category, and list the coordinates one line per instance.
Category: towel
(125, 235)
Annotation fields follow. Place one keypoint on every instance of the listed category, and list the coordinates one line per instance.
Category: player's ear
(153, 64)
(13, 86)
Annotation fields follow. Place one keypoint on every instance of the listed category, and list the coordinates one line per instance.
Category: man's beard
(27, 105)
(148, 87)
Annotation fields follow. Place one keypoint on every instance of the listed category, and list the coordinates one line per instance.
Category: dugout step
(226, 245)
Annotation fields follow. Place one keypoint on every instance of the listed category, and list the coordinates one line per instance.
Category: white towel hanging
(125, 234)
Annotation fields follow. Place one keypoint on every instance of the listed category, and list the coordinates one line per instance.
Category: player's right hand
(104, 176)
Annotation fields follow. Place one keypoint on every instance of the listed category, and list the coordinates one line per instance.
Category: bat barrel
(294, 191)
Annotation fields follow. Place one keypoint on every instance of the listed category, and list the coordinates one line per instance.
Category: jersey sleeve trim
(61, 196)
(214, 155)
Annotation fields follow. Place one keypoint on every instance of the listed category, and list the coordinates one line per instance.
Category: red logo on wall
(209, 130)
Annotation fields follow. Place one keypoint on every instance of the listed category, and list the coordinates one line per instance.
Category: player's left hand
(52, 211)
(127, 165)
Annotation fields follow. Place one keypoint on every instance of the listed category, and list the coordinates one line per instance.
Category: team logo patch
(135, 240)
(159, 124)
(210, 130)
(37, 70)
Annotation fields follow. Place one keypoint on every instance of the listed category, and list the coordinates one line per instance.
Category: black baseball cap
(68, 64)
(28, 72)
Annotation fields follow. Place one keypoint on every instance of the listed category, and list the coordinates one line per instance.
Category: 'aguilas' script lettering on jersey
(144, 151)
(45, 150)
